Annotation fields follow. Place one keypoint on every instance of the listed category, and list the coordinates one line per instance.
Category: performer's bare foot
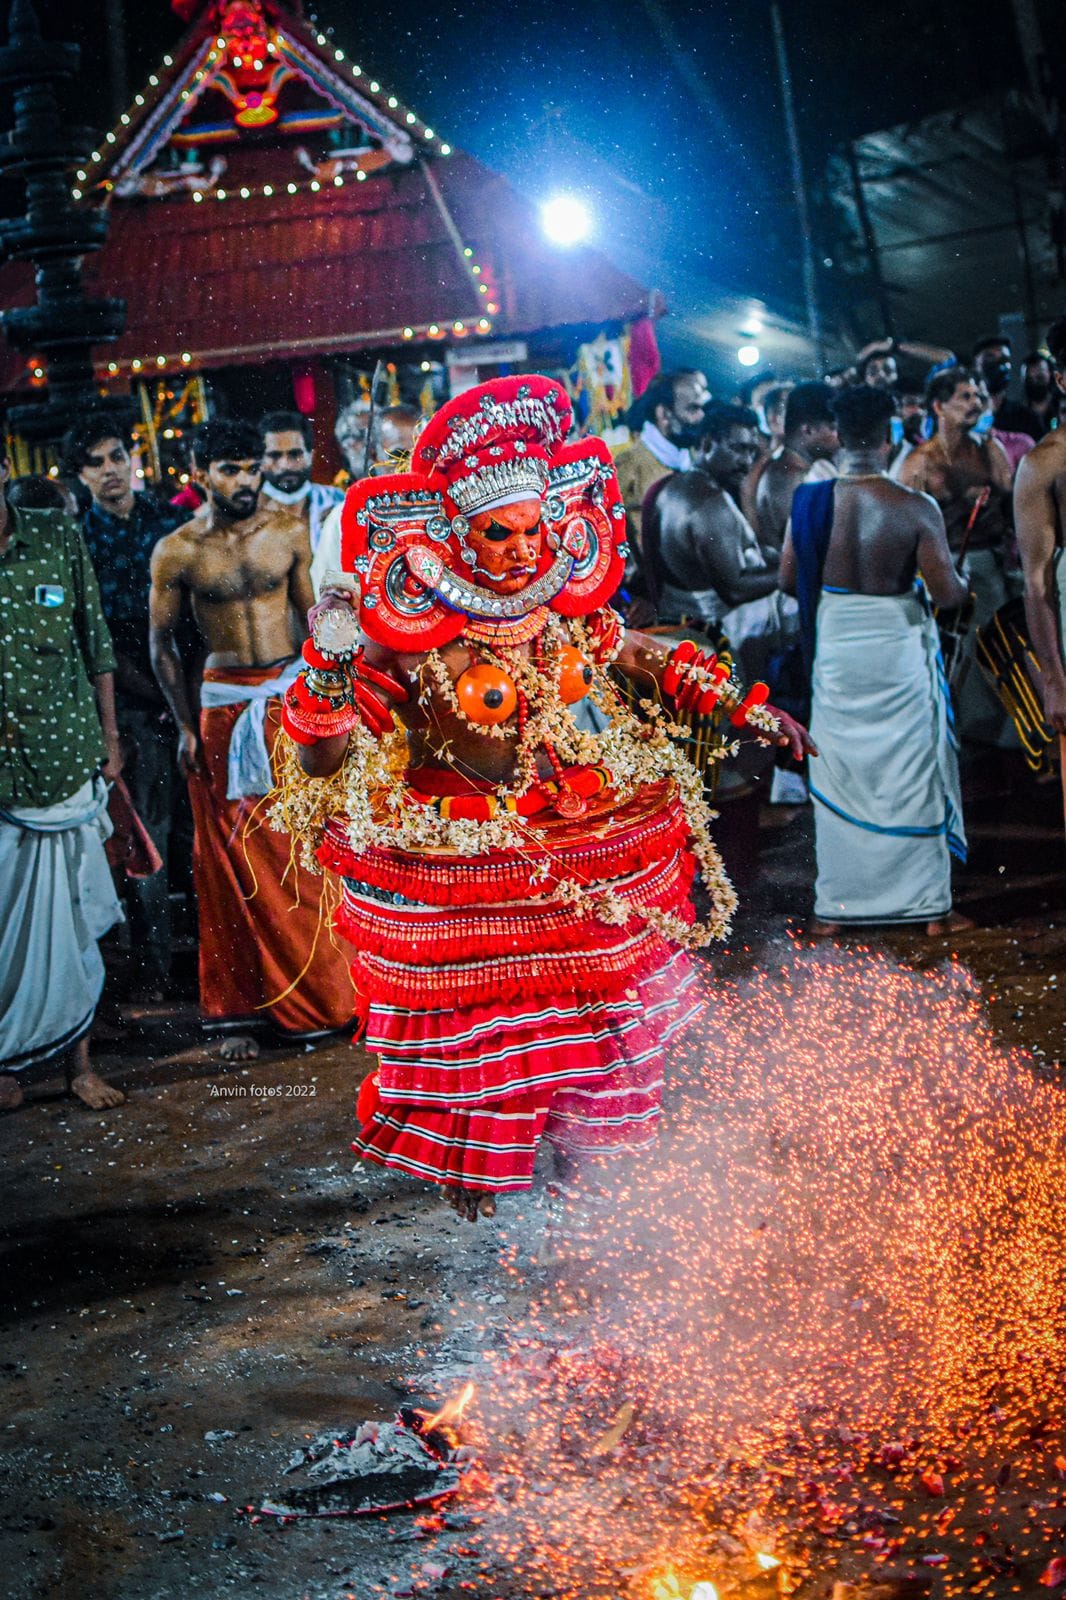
(10, 1092)
(954, 922)
(824, 930)
(238, 1047)
(87, 1085)
(471, 1203)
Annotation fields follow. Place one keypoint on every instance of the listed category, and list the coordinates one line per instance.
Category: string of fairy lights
(209, 193)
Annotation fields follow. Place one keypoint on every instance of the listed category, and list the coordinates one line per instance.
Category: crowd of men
(812, 529)
(833, 535)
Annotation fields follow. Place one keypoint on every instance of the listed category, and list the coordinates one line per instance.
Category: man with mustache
(242, 569)
(288, 456)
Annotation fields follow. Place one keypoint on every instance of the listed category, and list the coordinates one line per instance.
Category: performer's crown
(491, 446)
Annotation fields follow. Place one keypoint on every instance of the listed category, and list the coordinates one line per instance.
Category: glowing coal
(822, 1329)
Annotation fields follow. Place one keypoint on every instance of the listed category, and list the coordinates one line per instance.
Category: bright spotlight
(565, 220)
(748, 355)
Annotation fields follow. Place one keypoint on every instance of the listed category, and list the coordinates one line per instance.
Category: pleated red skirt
(501, 1015)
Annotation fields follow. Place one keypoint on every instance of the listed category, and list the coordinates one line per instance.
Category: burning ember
(418, 1460)
(668, 1588)
(445, 1421)
(820, 1334)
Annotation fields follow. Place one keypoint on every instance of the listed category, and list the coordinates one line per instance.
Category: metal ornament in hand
(336, 632)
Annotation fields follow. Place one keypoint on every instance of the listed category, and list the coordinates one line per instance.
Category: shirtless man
(886, 797)
(710, 567)
(1040, 519)
(244, 570)
(810, 436)
(960, 472)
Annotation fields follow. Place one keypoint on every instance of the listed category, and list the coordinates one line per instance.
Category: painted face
(286, 461)
(106, 472)
(507, 543)
(233, 487)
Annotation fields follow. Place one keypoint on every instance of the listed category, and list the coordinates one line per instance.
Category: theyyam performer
(515, 887)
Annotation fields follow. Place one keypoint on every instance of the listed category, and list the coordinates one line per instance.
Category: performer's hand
(792, 736)
(330, 599)
(1055, 706)
(190, 758)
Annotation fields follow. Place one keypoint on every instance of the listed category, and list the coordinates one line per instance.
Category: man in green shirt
(58, 743)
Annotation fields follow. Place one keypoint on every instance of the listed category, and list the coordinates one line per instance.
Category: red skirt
(500, 1015)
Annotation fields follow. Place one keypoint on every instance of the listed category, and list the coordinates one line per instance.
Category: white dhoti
(57, 900)
(888, 809)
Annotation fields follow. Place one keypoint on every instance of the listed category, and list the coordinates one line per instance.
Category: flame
(767, 1563)
(450, 1413)
(666, 1588)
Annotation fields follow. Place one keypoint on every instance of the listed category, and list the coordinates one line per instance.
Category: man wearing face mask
(243, 569)
(969, 476)
(663, 418)
(1013, 423)
(288, 454)
(1042, 394)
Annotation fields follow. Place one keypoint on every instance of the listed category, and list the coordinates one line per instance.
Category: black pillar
(54, 233)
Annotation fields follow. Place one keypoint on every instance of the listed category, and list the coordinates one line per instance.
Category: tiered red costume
(513, 989)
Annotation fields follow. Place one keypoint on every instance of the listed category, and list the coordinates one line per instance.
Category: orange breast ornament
(486, 694)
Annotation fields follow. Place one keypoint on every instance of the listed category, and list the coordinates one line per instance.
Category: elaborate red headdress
(404, 535)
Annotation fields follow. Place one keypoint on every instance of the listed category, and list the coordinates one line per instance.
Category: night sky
(664, 114)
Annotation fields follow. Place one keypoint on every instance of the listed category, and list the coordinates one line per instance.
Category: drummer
(1040, 518)
(969, 476)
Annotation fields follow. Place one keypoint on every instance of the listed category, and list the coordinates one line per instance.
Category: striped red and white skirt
(501, 1014)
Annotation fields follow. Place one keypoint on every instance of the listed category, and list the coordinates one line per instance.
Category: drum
(1005, 653)
(954, 627)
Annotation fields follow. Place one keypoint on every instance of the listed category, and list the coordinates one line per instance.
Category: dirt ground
(196, 1283)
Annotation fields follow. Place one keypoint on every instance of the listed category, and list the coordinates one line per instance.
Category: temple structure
(274, 207)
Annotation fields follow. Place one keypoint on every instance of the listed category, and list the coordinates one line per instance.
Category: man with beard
(288, 455)
(243, 569)
(810, 436)
(709, 566)
(970, 480)
(711, 571)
